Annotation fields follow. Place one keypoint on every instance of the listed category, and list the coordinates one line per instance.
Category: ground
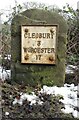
(50, 108)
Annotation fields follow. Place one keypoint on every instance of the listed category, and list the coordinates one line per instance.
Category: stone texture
(33, 74)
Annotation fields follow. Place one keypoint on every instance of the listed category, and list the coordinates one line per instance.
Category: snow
(32, 98)
(70, 69)
(69, 93)
(4, 74)
(6, 113)
(8, 57)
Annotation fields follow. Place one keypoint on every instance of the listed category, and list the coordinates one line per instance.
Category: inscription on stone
(38, 44)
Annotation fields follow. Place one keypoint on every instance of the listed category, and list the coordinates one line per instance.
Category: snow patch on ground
(70, 69)
(4, 74)
(32, 98)
(69, 93)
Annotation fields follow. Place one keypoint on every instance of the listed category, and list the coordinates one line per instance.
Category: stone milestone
(38, 48)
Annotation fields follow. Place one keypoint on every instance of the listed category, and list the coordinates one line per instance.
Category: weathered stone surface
(36, 73)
